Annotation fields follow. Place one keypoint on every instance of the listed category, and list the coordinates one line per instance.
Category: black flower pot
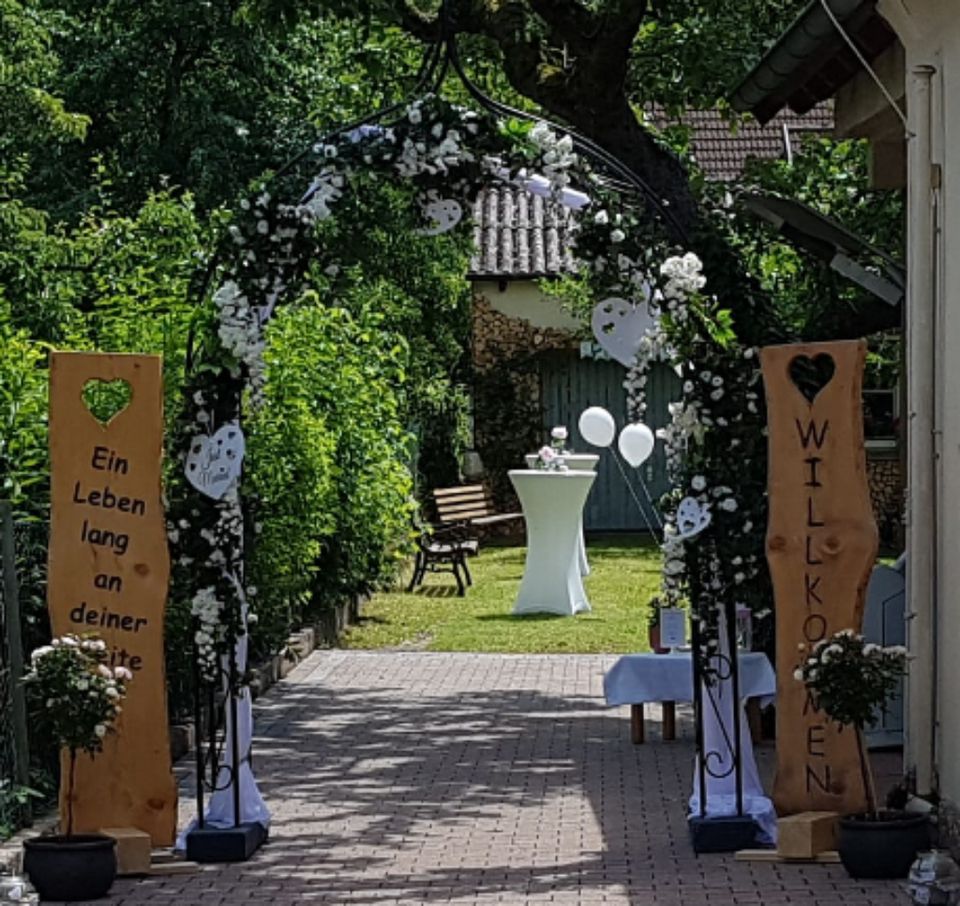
(882, 847)
(81, 867)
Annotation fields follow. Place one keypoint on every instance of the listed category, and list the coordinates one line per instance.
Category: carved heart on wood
(620, 327)
(106, 399)
(214, 461)
(442, 216)
(811, 375)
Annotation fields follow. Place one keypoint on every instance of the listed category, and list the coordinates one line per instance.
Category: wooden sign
(821, 546)
(108, 573)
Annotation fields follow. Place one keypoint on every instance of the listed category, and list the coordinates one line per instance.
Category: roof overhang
(811, 60)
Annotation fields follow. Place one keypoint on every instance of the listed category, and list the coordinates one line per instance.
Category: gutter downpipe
(922, 362)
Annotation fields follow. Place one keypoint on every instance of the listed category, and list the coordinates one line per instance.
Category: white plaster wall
(523, 299)
(930, 32)
(947, 150)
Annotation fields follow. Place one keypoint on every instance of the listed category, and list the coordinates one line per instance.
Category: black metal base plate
(225, 844)
(722, 834)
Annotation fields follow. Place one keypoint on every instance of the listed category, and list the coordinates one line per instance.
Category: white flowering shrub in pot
(849, 679)
(79, 698)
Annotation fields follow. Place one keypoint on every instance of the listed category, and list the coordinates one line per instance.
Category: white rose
(100, 730)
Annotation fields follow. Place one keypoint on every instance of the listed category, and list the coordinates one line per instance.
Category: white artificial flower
(617, 236)
(729, 505)
(798, 675)
(698, 483)
(100, 730)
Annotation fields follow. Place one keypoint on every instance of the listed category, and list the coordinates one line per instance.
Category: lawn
(625, 575)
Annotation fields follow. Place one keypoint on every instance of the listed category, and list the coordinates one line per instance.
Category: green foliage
(190, 95)
(831, 177)
(24, 478)
(690, 54)
(328, 454)
(31, 115)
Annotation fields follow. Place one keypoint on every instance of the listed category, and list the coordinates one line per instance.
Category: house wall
(524, 299)
(930, 33)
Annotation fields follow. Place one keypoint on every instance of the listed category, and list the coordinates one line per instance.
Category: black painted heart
(811, 375)
(106, 399)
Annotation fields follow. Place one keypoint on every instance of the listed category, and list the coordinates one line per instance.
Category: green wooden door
(569, 385)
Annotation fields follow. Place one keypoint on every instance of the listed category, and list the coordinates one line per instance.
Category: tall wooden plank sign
(108, 573)
(821, 546)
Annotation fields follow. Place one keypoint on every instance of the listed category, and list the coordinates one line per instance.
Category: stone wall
(508, 409)
(886, 492)
(498, 337)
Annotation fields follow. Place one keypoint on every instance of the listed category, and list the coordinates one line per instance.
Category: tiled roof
(518, 234)
(722, 154)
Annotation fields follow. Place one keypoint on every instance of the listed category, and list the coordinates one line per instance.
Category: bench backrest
(469, 501)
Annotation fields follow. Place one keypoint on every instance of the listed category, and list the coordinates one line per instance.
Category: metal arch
(443, 55)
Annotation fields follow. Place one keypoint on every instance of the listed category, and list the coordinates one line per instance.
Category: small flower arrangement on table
(850, 679)
(550, 457)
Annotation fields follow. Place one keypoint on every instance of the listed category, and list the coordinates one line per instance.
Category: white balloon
(597, 426)
(636, 444)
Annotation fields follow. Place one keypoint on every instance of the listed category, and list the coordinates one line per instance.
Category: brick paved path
(417, 777)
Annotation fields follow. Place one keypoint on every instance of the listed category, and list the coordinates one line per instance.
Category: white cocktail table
(553, 509)
(580, 462)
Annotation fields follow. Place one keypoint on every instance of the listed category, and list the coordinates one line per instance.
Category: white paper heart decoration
(620, 327)
(442, 215)
(214, 462)
(692, 518)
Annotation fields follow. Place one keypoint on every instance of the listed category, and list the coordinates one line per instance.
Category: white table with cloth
(668, 678)
(579, 462)
(552, 505)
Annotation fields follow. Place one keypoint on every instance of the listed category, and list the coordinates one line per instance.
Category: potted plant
(850, 678)
(78, 697)
(653, 628)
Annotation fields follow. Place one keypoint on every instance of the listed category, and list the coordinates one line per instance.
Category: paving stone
(476, 779)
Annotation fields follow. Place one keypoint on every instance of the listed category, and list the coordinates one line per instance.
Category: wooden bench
(470, 504)
(445, 546)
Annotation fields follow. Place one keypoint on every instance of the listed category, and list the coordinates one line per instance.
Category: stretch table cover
(552, 508)
(580, 462)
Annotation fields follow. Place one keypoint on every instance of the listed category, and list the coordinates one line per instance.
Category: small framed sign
(673, 627)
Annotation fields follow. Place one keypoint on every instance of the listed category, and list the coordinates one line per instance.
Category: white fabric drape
(721, 792)
(220, 809)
